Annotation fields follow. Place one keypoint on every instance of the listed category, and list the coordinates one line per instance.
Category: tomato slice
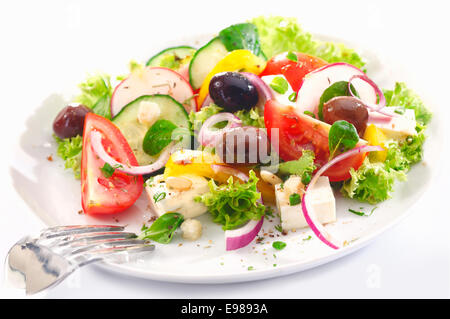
(100, 194)
(297, 132)
(293, 71)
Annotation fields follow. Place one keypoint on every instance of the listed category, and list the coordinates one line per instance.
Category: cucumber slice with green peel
(204, 60)
(134, 130)
(172, 58)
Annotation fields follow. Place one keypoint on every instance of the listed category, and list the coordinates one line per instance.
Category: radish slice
(310, 217)
(149, 81)
(241, 237)
(208, 137)
(317, 81)
(264, 92)
(97, 146)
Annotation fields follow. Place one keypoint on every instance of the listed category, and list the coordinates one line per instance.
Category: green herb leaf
(293, 97)
(294, 199)
(107, 170)
(158, 136)
(342, 137)
(292, 56)
(279, 84)
(163, 228)
(279, 245)
(252, 117)
(158, 197)
(334, 90)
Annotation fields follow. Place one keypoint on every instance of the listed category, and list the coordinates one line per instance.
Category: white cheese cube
(398, 127)
(164, 199)
(322, 202)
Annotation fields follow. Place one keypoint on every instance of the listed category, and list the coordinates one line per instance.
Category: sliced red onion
(206, 136)
(97, 146)
(241, 237)
(264, 92)
(318, 229)
(382, 100)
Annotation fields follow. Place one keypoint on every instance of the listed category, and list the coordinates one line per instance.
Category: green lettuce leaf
(198, 118)
(403, 96)
(69, 150)
(279, 34)
(372, 182)
(93, 89)
(252, 117)
(233, 204)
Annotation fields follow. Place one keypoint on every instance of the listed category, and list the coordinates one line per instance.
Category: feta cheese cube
(322, 202)
(165, 199)
(398, 127)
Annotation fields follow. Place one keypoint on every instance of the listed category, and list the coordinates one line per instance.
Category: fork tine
(120, 253)
(59, 231)
(85, 238)
(105, 243)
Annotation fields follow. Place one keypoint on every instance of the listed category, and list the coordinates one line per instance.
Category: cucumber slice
(173, 57)
(134, 131)
(204, 60)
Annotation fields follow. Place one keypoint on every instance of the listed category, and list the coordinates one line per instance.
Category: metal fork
(43, 262)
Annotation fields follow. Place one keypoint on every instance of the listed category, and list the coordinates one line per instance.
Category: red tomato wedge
(100, 194)
(294, 71)
(299, 131)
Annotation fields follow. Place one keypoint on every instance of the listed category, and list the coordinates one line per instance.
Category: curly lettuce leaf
(372, 182)
(198, 118)
(403, 96)
(233, 204)
(279, 34)
(69, 149)
(93, 89)
(252, 117)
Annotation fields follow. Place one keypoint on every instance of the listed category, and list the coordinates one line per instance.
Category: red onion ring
(318, 229)
(264, 92)
(97, 146)
(381, 103)
(208, 137)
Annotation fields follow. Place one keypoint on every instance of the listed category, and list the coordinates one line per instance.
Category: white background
(47, 45)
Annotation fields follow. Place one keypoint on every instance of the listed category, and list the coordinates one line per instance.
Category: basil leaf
(292, 56)
(334, 90)
(158, 136)
(342, 136)
(163, 228)
(242, 36)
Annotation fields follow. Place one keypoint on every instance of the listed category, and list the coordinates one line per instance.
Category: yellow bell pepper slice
(375, 136)
(237, 60)
(199, 163)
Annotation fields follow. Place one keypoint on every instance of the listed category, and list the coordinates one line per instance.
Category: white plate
(54, 196)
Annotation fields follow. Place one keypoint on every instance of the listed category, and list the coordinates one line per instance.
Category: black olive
(70, 121)
(349, 109)
(244, 145)
(233, 91)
